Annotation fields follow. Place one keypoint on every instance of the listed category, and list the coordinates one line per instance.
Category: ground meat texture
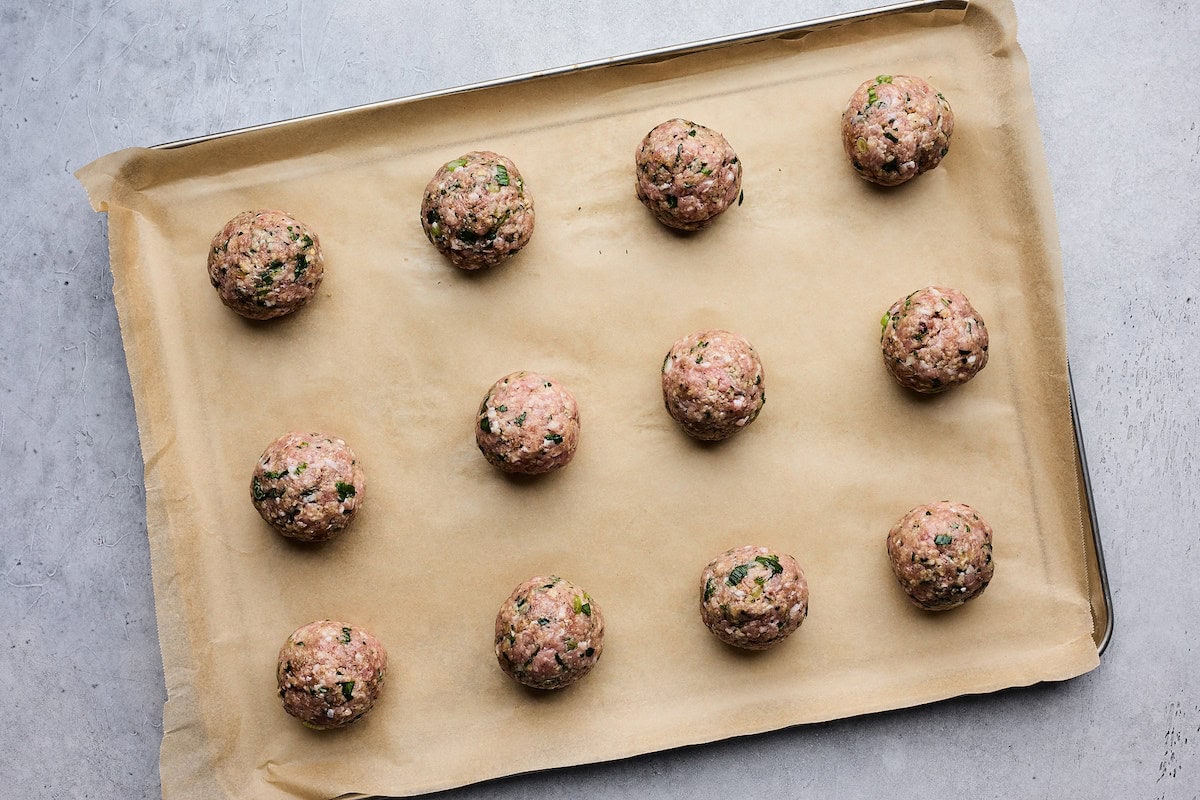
(687, 174)
(941, 554)
(330, 673)
(933, 339)
(895, 128)
(549, 633)
(753, 597)
(712, 384)
(265, 264)
(476, 210)
(528, 423)
(308, 485)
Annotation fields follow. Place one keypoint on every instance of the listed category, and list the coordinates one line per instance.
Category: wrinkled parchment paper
(399, 347)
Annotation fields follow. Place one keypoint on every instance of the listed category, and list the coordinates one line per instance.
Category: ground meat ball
(330, 673)
(687, 174)
(476, 210)
(308, 485)
(895, 128)
(933, 339)
(941, 554)
(265, 264)
(528, 423)
(712, 384)
(753, 597)
(549, 633)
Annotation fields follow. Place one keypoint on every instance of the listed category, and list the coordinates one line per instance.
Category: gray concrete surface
(1114, 84)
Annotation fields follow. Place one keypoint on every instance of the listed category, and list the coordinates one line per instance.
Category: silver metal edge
(631, 58)
(1091, 509)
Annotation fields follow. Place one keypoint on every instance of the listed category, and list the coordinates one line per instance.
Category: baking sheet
(398, 348)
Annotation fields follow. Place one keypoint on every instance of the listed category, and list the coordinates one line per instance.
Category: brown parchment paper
(396, 352)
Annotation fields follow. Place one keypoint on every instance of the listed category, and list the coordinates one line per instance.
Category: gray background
(1115, 89)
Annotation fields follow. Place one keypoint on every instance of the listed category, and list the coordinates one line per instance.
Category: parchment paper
(396, 352)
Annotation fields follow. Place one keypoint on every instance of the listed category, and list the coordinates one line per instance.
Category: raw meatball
(308, 485)
(330, 673)
(941, 554)
(549, 633)
(895, 128)
(476, 210)
(753, 597)
(933, 340)
(265, 264)
(687, 174)
(528, 423)
(712, 384)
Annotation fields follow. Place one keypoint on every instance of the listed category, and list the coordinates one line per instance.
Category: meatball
(330, 673)
(528, 423)
(752, 597)
(308, 485)
(476, 210)
(895, 128)
(549, 633)
(265, 264)
(933, 339)
(712, 384)
(941, 554)
(687, 174)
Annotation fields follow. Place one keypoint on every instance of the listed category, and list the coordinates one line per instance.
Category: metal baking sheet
(170, 200)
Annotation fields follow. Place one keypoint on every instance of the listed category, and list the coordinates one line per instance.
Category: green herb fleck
(942, 539)
(871, 96)
(772, 562)
(577, 604)
(301, 265)
(347, 688)
(299, 644)
(502, 175)
(699, 358)
(456, 164)
(558, 660)
(275, 475)
(303, 466)
(543, 621)
(710, 588)
(737, 573)
(891, 136)
(259, 493)
(346, 635)
(485, 425)
(883, 79)
(946, 300)
(570, 643)
(554, 437)
(344, 490)
(692, 132)
(672, 201)
(468, 237)
(502, 408)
